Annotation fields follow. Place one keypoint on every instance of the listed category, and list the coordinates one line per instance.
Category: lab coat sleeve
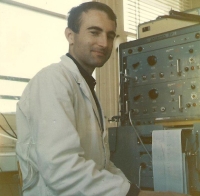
(113, 169)
(59, 154)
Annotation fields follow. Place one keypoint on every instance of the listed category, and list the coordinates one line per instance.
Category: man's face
(92, 46)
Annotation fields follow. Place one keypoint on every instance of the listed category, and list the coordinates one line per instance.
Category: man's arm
(60, 156)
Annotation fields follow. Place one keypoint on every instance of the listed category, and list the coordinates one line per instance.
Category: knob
(193, 86)
(140, 49)
(197, 35)
(144, 77)
(135, 65)
(191, 50)
(188, 105)
(162, 109)
(186, 68)
(152, 60)
(161, 74)
(137, 97)
(130, 51)
(170, 57)
(191, 60)
(153, 93)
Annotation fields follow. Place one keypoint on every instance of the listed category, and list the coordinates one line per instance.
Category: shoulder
(58, 78)
(62, 72)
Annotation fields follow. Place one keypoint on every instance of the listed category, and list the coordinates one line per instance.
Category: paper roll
(169, 170)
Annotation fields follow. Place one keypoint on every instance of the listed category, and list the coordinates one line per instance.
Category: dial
(153, 93)
(152, 60)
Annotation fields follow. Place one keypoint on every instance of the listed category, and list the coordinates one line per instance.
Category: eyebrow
(100, 29)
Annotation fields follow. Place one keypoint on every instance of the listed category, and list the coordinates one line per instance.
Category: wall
(195, 3)
(108, 76)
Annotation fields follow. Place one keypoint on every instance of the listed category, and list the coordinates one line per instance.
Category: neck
(88, 69)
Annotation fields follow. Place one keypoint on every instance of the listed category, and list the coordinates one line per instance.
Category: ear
(69, 34)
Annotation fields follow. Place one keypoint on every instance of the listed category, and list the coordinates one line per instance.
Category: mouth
(99, 52)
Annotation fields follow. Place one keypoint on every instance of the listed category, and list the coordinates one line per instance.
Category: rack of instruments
(157, 142)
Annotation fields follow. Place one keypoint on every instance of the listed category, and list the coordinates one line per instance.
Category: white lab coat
(61, 149)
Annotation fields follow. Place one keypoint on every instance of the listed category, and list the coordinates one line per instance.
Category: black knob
(152, 60)
(140, 49)
(137, 97)
(197, 35)
(161, 74)
(170, 57)
(135, 65)
(130, 51)
(144, 77)
(191, 50)
(153, 93)
(188, 105)
(186, 68)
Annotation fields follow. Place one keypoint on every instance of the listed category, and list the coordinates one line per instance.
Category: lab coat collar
(71, 66)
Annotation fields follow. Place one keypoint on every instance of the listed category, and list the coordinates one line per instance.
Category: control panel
(160, 77)
(157, 142)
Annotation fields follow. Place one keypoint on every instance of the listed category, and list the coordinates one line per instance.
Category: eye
(95, 33)
(112, 37)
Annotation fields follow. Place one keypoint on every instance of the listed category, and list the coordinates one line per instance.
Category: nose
(103, 41)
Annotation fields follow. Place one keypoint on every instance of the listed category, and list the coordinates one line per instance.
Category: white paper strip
(168, 161)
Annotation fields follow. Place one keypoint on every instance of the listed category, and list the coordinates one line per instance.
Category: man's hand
(133, 191)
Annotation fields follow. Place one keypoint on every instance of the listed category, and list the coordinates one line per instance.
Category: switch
(144, 77)
(172, 92)
(193, 86)
(135, 79)
(145, 111)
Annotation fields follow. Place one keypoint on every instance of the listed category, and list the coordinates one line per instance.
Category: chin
(100, 64)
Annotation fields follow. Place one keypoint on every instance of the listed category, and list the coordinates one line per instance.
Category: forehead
(97, 18)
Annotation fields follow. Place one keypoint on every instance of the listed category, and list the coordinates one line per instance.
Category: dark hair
(74, 17)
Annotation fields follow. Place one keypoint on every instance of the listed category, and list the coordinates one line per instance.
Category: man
(62, 143)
